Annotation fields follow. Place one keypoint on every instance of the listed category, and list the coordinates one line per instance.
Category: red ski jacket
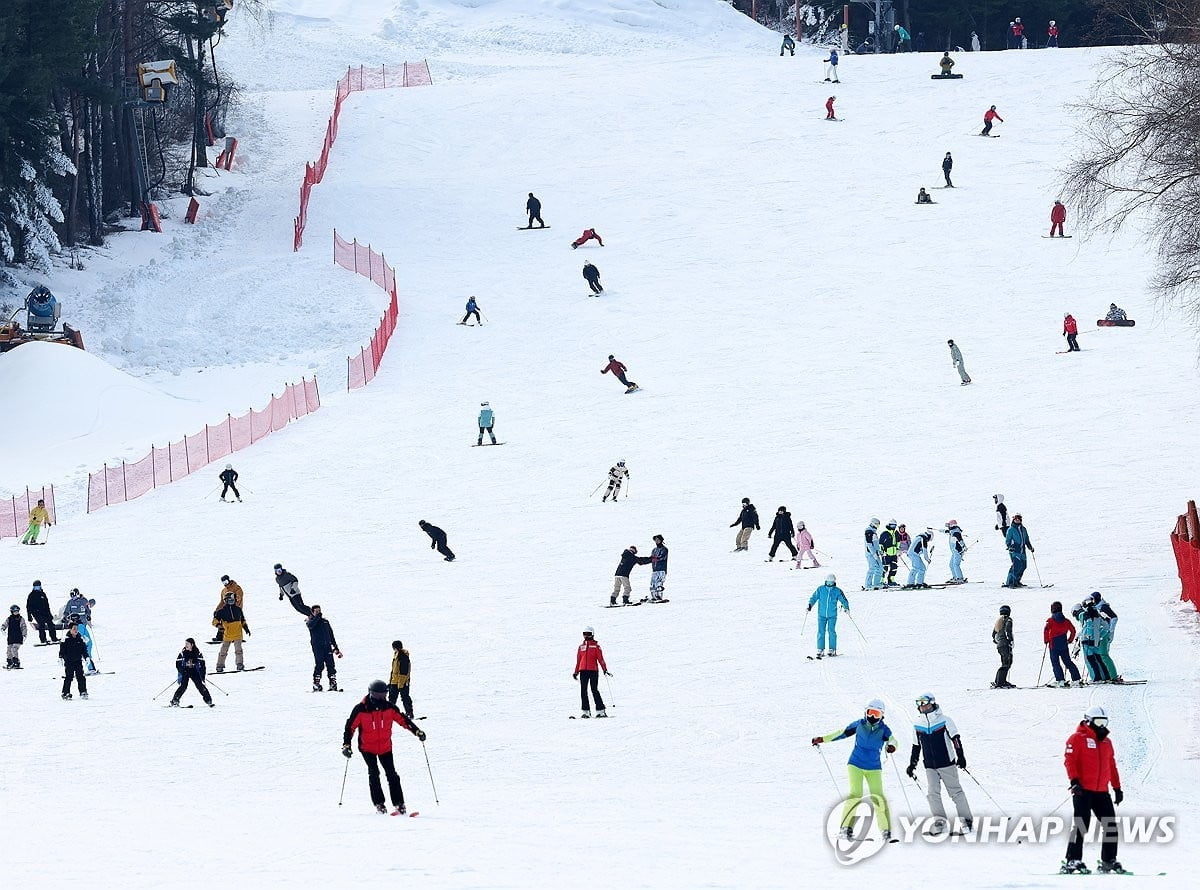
(1058, 213)
(589, 656)
(1019, 29)
(1053, 31)
(1057, 627)
(990, 114)
(829, 105)
(614, 367)
(1069, 325)
(374, 725)
(1091, 761)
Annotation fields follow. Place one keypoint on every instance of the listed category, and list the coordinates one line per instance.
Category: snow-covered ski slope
(785, 307)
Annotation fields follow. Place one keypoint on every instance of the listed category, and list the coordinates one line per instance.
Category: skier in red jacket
(1092, 768)
(1052, 34)
(588, 235)
(618, 370)
(988, 116)
(373, 718)
(589, 661)
(1058, 216)
(1058, 634)
(1071, 332)
(829, 115)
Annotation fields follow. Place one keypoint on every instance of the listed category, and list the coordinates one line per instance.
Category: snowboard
(945, 77)
(622, 605)
(651, 602)
(465, 325)
(919, 203)
(530, 228)
(1105, 323)
(989, 135)
(1058, 237)
(485, 444)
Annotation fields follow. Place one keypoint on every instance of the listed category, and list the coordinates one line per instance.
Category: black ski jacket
(320, 634)
(37, 607)
(629, 559)
(782, 528)
(748, 518)
(72, 650)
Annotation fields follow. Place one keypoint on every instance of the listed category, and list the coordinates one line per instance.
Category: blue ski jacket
(869, 740)
(486, 418)
(1017, 539)
(828, 596)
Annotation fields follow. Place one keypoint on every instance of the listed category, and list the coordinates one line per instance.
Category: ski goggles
(1099, 721)
(923, 701)
(875, 712)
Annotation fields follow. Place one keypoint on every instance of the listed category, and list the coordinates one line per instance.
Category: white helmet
(229, 466)
(831, 580)
(588, 630)
(1095, 711)
(875, 704)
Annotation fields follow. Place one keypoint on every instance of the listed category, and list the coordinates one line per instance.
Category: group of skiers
(76, 650)
(885, 549)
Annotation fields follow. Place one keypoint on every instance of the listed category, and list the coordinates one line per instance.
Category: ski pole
(428, 767)
(608, 680)
(856, 627)
(903, 790)
(596, 489)
(344, 774)
(837, 788)
(1045, 649)
(1036, 569)
(214, 491)
(169, 685)
(208, 682)
(823, 554)
(627, 487)
(484, 316)
(804, 623)
(989, 797)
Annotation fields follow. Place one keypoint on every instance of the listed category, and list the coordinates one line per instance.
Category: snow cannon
(42, 311)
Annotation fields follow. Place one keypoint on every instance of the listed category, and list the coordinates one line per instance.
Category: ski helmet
(1096, 597)
(874, 522)
(225, 579)
(483, 404)
(745, 500)
(229, 466)
(800, 523)
(1096, 715)
(925, 699)
(1005, 610)
(633, 548)
(74, 591)
(37, 585)
(951, 523)
(831, 580)
(891, 523)
(874, 711)
(14, 608)
(588, 630)
(278, 567)
(377, 689)
(620, 463)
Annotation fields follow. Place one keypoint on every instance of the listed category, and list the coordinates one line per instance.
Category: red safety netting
(14, 512)
(1185, 541)
(360, 258)
(406, 74)
(117, 484)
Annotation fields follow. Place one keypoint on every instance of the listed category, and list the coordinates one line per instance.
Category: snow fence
(360, 258)
(1185, 541)
(406, 74)
(14, 515)
(162, 466)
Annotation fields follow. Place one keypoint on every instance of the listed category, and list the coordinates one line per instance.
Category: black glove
(420, 735)
(346, 752)
(809, 609)
(1118, 795)
(607, 674)
(961, 762)
(281, 596)
(1076, 787)
(911, 772)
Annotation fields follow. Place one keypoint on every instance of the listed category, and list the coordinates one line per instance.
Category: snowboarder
(1071, 332)
(871, 737)
(534, 208)
(472, 309)
(874, 557)
(228, 477)
(946, 64)
(324, 647)
(889, 546)
(190, 666)
(829, 113)
(37, 607)
(988, 116)
(1092, 769)
(658, 569)
(1001, 514)
(782, 531)
(1052, 34)
(831, 65)
(588, 235)
(947, 166)
(616, 475)
(1115, 313)
(957, 548)
(621, 585)
(923, 197)
(804, 546)
(487, 423)
(1058, 634)
(437, 540)
(827, 598)
(618, 370)
(400, 677)
(71, 652)
(956, 359)
(1002, 636)
(1058, 216)
(789, 46)
(228, 586)
(373, 718)
(939, 745)
(233, 623)
(1017, 542)
(289, 584)
(748, 524)
(15, 630)
(975, 47)
(38, 517)
(918, 557)
(592, 275)
(589, 661)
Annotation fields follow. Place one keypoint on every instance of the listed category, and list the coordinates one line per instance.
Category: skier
(829, 115)
(1017, 542)
(975, 47)
(1052, 34)
(228, 477)
(789, 46)
(1115, 313)
(827, 598)
(947, 166)
(487, 423)
(889, 546)
(190, 665)
(903, 41)
(658, 569)
(1018, 34)
(621, 585)
(1094, 637)
(748, 522)
(37, 607)
(373, 718)
(918, 556)
(874, 560)
(871, 736)
(472, 309)
(988, 116)
(618, 370)
(616, 475)
(804, 546)
(78, 612)
(1058, 634)
(400, 677)
(589, 661)
(957, 548)
(233, 622)
(437, 540)
(15, 630)
(946, 64)
(228, 586)
(782, 531)
(1001, 514)
(588, 235)
(938, 743)
(923, 197)
(831, 65)
(1092, 769)
(38, 517)
(289, 584)
(1058, 216)
(902, 537)
(592, 275)
(1101, 605)
(1071, 332)
(1002, 636)
(71, 652)
(956, 359)
(534, 208)
(324, 647)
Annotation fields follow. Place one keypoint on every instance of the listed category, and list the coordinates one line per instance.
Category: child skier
(871, 737)
(616, 475)
(1058, 634)
(804, 546)
(472, 309)
(373, 718)
(15, 630)
(829, 596)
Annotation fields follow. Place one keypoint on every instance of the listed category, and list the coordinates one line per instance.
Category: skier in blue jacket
(1017, 541)
(957, 548)
(472, 309)
(828, 596)
(874, 560)
(918, 555)
(487, 420)
(871, 736)
(831, 67)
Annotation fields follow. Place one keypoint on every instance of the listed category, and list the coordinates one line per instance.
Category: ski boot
(66, 696)
(380, 808)
(833, 653)
(1061, 684)
(601, 713)
(1110, 867)
(887, 836)
(16, 664)
(1074, 867)
(586, 715)
(211, 703)
(220, 670)
(625, 602)
(317, 685)
(83, 695)
(241, 667)
(400, 811)
(174, 703)
(820, 653)
(333, 686)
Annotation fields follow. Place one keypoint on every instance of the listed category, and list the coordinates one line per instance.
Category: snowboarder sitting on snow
(472, 309)
(618, 370)
(229, 476)
(373, 718)
(289, 584)
(871, 737)
(592, 276)
(1115, 313)
(789, 45)
(437, 540)
(946, 64)
(827, 598)
(616, 475)
(923, 197)
(487, 422)
(588, 235)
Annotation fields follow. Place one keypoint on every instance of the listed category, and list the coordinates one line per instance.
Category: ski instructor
(373, 718)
